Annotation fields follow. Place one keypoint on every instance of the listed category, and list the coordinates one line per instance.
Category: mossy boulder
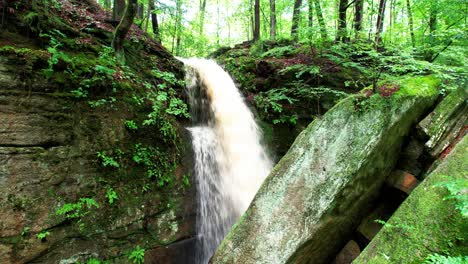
(320, 190)
(427, 222)
(446, 122)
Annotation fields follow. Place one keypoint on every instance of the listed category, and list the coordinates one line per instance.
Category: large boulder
(427, 223)
(320, 190)
(446, 122)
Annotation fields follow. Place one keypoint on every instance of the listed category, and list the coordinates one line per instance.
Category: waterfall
(230, 162)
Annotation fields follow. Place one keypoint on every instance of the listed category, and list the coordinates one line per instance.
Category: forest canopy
(197, 28)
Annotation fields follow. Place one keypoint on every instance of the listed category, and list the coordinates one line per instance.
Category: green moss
(420, 85)
(436, 225)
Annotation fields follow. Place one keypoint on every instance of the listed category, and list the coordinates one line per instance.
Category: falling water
(230, 163)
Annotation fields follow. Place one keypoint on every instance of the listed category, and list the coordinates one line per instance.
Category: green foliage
(25, 231)
(299, 70)
(111, 195)
(107, 70)
(94, 261)
(137, 255)
(56, 54)
(78, 209)
(157, 165)
(108, 161)
(280, 52)
(42, 235)
(458, 189)
(439, 259)
(164, 101)
(130, 124)
(397, 226)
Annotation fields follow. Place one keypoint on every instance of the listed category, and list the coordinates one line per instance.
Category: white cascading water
(230, 162)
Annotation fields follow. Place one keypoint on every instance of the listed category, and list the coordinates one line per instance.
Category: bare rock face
(48, 146)
(321, 189)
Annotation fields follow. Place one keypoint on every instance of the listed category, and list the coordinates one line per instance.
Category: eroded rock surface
(427, 222)
(322, 187)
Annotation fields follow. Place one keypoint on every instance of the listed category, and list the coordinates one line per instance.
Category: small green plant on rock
(42, 235)
(137, 255)
(131, 125)
(108, 161)
(111, 195)
(78, 209)
(458, 189)
(439, 259)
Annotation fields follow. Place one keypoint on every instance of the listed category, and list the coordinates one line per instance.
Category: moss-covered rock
(322, 187)
(426, 223)
(92, 163)
(445, 123)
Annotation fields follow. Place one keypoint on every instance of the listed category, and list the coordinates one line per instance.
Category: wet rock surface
(325, 183)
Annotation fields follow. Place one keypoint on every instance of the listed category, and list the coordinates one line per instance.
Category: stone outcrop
(427, 222)
(61, 202)
(446, 122)
(320, 190)
(48, 145)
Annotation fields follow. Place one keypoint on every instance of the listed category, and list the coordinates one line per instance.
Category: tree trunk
(154, 21)
(380, 20)
(310, 23)
(202, 15)
(391, 20)
(141, 11)
(310, 6)
(124, 26)
(119, 8)
(411, 23)
(323, 28)
(295, 19)
(358, 16)
(178, 28)
(256, 32)
(272, 19)
(342, 34)
(432, 20)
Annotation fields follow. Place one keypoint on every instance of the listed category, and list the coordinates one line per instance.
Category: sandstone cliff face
(77, 181)
(48, 147)
(319, 191)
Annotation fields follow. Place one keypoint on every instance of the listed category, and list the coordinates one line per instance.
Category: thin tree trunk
(432, 20)
(273, 19)
(391, 21)
(411, 23)
(124, 26)
(154, 21)
(323, 29)
(342, 34)
(380, 21)
(311, 14)
(119, 8)
(310, 20)
(256, 32)
(141, 11)
(371, 19)
(202, 15)
(358, 16)
(148, 14)
(178, 26)
(295, 19)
